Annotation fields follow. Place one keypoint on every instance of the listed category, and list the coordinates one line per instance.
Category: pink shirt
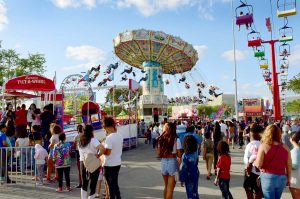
(275, 160)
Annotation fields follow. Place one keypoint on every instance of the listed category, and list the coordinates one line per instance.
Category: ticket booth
(91, 114)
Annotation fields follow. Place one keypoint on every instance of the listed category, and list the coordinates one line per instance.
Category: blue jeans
(273, 185)
(224, 187)
(191, 188)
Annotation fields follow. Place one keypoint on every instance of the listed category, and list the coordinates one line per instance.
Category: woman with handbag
(169, 150)
(274, 161)
(112, 151)
(89, 161)
(253, 191)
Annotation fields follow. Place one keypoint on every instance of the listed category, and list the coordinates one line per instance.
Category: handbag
(91, 162)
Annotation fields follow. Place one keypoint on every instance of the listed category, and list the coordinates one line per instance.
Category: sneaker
(78, 186)
(97, 196)
(68, 189)
(59, 190)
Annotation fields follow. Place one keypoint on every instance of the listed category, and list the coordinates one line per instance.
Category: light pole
(235, 71)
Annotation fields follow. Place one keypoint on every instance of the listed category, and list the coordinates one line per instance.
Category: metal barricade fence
(17, 165)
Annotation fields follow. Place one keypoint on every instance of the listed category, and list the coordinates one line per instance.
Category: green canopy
(123, 113)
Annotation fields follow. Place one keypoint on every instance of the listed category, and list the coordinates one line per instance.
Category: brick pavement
(139, 178)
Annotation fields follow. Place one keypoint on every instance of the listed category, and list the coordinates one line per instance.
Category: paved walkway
(139, 178)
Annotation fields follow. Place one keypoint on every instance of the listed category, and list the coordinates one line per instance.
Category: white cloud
(75, 3)
(225, 77)
(89, 55)
(294, 58)
(3, 17)
(201, 49)
(147, 7)
(229, 55)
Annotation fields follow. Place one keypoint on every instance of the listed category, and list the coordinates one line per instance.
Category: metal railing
(17, 165)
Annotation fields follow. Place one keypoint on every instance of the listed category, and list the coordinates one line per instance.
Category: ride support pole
(275, 86)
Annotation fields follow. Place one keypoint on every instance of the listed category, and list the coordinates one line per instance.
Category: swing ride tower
(155, 53)
(285, 9)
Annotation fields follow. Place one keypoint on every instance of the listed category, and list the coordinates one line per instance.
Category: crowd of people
(271, 155)
(35, 134)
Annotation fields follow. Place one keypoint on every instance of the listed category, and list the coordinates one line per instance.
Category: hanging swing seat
(283, 74)
(259, 54)
(268, 79)
(254, 43)
(286, 38)
(244, 19)
(286, 13)
(264, 66)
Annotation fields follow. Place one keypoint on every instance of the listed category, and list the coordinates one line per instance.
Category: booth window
(147, 111)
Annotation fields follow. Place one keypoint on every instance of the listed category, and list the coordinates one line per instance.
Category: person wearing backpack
(208, 154)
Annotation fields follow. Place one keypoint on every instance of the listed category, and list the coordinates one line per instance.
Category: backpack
(209, 146)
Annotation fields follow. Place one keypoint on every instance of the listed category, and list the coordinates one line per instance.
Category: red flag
(268, 24)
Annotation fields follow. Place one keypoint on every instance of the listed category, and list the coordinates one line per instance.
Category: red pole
(275, 86)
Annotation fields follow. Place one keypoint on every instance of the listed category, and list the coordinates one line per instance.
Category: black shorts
(251, 184)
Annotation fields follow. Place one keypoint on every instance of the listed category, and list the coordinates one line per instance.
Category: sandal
(59, 190)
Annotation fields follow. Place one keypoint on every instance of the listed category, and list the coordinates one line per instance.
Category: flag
(268, 24)
(133, 85)
(54, 78)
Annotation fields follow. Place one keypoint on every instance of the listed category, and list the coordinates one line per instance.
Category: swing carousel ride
(156, 54)
(285, 9)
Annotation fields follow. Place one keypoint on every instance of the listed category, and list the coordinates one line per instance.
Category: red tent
(15, 94)
(30, 83)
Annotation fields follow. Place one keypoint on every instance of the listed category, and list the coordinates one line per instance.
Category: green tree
(293, 107)
(12, 64)
(294, 84)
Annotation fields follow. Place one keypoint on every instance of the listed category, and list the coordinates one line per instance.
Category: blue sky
(77, 34)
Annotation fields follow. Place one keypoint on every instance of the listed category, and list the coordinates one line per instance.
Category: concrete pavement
(139, 178)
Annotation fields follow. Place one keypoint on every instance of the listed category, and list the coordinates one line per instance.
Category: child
(40, 157)
(62, 159)
(24, 150)
(55, 131)
(189, 173)
(76, 144)
(208, 153)
(223, 169)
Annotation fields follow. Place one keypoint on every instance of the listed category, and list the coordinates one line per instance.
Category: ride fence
(17, 165)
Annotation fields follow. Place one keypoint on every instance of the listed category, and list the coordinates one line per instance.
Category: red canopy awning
(15, 94)
(30, 83)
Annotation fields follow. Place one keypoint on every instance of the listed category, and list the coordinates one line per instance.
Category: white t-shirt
(37, 120)
(248, 153)
(155, 132)
(23, 142)
(54, 139)
(181, 128)
(177, 145)
(90, 148)
(114, 141)
(224, 128)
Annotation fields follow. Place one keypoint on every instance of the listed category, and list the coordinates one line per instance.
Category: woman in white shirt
(112, 151)
(88, 145)
(250, 185)
(169, 149)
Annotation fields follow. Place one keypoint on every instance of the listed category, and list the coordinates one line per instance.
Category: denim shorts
(169, 166)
